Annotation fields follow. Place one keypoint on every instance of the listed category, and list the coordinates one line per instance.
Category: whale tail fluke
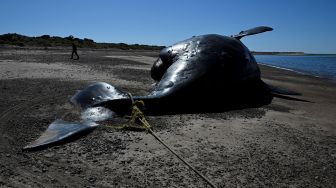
(252, 31)
(59, 132)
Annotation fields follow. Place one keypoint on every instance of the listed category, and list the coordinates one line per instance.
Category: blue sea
(317, 65)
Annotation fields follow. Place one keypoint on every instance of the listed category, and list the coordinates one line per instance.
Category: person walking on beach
(74, 51)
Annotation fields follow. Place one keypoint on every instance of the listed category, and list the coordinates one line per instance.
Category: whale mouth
(158, 69)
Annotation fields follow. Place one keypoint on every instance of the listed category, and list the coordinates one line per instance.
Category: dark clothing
(74, 47)
(74, 51)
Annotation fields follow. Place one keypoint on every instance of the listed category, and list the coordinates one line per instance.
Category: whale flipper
(252, 31)
(282, 91)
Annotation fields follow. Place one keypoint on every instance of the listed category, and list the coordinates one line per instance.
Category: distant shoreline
(46, 41)
(287, 53)
(295, 71)
(278, 53)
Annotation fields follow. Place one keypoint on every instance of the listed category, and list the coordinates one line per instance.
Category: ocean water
(317, 65)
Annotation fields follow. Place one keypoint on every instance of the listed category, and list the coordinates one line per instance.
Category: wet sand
(283, 144)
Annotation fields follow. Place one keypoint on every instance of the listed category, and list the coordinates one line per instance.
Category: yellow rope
(139, 118)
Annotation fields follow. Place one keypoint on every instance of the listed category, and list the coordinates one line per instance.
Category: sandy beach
(283, 144)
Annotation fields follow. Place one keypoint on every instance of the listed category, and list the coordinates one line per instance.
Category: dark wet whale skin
(206, 73)
(209, 61)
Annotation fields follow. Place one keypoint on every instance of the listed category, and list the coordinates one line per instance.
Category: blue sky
(299, 25)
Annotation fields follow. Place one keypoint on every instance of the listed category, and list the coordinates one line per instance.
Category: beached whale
(207, 73)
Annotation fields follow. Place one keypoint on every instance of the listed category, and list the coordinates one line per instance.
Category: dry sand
(284, 144)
